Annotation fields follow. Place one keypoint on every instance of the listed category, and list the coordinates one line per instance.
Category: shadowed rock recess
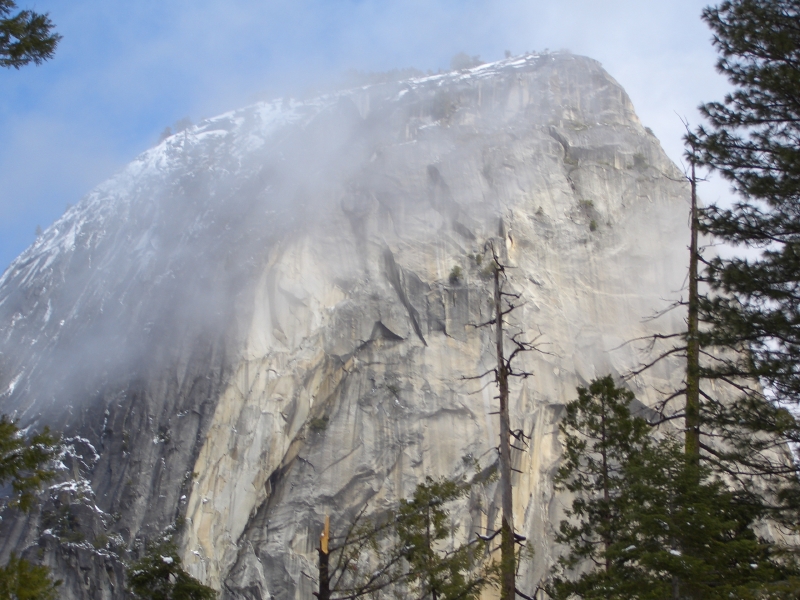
(254, 323)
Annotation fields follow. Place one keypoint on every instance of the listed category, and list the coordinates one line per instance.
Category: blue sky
(126, 70)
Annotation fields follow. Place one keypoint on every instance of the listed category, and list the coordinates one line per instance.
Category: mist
(124, 72)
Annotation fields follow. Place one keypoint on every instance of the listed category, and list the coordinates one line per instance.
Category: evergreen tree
(649, 520)
(20, 580)
(160, 576)
(751, 139)
(24, 464)
(422, 524)
(25, 37)
(406, 553)
(600, 439)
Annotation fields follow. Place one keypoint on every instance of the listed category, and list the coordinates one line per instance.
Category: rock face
(255, 323)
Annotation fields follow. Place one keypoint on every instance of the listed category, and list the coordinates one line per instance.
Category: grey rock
(253, 324)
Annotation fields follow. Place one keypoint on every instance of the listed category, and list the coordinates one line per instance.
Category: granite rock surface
(260, 321)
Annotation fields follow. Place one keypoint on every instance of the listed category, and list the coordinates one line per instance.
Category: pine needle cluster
(25, 37)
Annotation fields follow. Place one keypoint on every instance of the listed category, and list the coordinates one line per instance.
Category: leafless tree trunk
(692, 342)
(324, 592)
(507, 555)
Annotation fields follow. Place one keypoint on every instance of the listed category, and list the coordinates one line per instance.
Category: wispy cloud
(125, 70)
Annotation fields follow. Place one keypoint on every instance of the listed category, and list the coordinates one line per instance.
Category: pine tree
(600, 439)
(20, 580)
(25, 37)
(649, 520)
(751, 139)
(422, 525)
(24, 463)
(159, 575)
(692, 536)
(406, 552)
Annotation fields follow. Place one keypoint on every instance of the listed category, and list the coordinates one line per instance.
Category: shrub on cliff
(159, 575)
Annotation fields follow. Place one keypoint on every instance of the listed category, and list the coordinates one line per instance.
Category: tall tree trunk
(507, 559)
(692, 342)
(606, 485)
(324, 592)
(429, 548)
(692, 422)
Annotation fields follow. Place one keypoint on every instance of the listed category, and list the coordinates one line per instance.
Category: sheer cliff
(254, 324)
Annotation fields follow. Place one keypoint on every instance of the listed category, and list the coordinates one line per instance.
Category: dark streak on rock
(394, 274)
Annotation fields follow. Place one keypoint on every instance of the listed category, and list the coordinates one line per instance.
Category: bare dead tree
(503, 303)
(324, 588)
(689, 345)
(692, 422)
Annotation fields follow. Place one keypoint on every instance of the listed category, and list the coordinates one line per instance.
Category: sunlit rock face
(255, 324)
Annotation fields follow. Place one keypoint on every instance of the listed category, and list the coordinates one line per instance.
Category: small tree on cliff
(159, 575)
